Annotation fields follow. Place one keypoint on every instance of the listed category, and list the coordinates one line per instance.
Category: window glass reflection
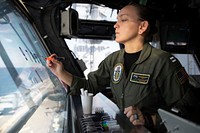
(27, 90)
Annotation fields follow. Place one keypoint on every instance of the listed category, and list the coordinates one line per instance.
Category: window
(95, 12)
(189, 63)
(93, 51)
(28, 91)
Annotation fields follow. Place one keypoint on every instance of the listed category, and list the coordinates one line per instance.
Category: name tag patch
(139, 78)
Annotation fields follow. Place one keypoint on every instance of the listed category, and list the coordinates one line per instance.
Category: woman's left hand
(135, 115)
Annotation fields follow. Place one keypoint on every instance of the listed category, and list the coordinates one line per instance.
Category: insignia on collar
(118, 70)
(139, 78)
(173, 59)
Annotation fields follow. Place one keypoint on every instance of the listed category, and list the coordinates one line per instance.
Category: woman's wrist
(66, 77)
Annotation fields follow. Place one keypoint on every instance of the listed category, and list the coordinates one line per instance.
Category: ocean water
(27, 76)
(7, 85)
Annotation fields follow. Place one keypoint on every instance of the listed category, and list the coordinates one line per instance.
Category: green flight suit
(154, 81)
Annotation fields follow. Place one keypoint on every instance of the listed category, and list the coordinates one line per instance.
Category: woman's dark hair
(145, 13)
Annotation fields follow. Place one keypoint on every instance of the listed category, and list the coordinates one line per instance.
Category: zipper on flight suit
(122, 95)
(122, 98)
(125, 84)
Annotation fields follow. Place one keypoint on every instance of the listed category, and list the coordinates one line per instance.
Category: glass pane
(27, 90)
(92, 51)
(189, 63)
(95, 12)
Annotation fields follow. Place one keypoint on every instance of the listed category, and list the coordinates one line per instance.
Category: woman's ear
(143, 27)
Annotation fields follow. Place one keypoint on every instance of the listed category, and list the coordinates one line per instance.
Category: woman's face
(127, 25)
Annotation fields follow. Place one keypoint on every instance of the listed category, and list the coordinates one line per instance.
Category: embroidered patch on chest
(118, 70)
(139, 78)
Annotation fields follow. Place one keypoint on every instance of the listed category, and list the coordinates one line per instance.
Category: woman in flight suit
(142, 78)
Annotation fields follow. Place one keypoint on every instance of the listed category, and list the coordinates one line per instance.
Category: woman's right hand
(55, 66)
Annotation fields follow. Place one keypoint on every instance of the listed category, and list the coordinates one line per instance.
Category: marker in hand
(57, 58)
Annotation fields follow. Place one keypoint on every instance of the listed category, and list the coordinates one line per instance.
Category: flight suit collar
(145, 53)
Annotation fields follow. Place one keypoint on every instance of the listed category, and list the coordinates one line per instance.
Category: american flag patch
(182, 75)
